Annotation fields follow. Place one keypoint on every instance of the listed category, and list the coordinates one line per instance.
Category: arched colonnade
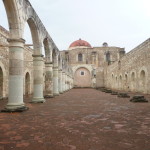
(20, 12)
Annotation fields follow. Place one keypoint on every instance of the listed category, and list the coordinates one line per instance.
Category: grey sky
(123, 23)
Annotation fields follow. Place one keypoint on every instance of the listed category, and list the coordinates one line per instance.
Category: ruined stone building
(24, 70)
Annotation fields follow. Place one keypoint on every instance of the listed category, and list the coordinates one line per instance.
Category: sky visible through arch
(122, 23)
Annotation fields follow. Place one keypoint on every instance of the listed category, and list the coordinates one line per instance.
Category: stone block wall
(131, 72)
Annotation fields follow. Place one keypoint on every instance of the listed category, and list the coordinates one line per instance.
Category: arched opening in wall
(126, 87)
(1, 83)
(80, 57)
(116, 82)
(120, 83)
(132, 81)
(142, 81)
(82, 78)
(112, 81)
(3, 16)
(31, 36)
(47, 50)
(27, 84)
(108, 57)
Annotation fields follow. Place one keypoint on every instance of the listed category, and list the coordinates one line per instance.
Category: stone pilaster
(49, 80)
(38, 79)
(16, 73)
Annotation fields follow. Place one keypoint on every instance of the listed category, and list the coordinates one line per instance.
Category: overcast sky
(123, 23)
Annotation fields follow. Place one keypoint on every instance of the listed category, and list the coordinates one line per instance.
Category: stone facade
(90, 59)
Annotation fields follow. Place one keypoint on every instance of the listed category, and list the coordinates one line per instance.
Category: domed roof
(80, 43)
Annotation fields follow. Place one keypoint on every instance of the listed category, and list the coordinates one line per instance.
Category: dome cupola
(79, 43)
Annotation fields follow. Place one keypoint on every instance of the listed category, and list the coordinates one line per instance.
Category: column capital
(55, 68)
(40, 55)
(16, 42)
(48, 63)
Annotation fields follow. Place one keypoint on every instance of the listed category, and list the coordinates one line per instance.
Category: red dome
(80, 43)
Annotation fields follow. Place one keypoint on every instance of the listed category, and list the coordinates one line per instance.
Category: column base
(56, 94)
(14, 108)
(38, 100)
(61, 92)
(49, 96)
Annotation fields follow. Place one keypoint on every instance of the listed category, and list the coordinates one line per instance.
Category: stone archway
(142, 81)
(82, 78)
(1, 83)
(120, 82)
(132, 81)
(27, 84)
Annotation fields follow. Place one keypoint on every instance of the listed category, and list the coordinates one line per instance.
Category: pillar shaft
(38, 79)
(49, 80)
(55, 81)
(66, 82)
(16, 69)
(60, 82)
(63, 82)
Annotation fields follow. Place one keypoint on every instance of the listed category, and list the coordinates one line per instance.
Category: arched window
(108, 57)
(80, 57)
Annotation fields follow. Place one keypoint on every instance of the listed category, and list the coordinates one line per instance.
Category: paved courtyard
(81, 119)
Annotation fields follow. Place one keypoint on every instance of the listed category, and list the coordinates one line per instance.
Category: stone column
(63, 81)
(60, 81)
(38, 79)
(55, 81)
(68, 82)
(49, 80)
(16, 73)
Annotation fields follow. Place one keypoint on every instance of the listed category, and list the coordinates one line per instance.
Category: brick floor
(81, 119)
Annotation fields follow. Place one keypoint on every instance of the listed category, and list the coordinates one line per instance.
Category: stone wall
(131, 72)
(95, 57)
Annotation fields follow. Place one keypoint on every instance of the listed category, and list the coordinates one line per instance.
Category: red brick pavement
(81, 119)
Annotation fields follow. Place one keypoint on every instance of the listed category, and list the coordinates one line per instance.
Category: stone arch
(142, 81)
(112, 80)
(37, 44)
(126, 87)
(55, 57)
(120, 82)
(116, 82)
(1, 83)
(82, 77)
(108, 57)
(47, 50)
(133, 81)
(3, 80)
(14, 18)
